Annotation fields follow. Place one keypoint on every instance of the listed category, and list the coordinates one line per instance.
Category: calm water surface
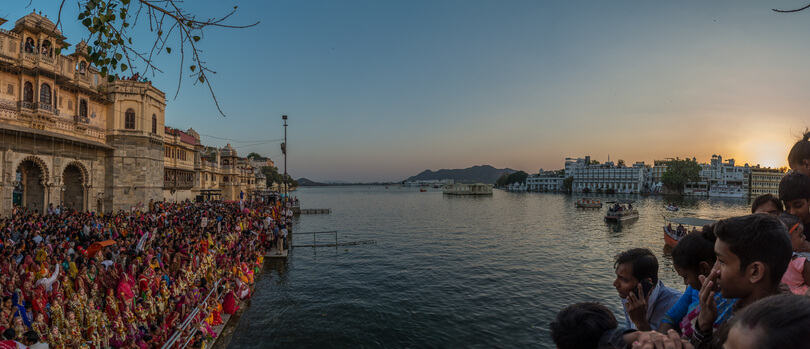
(448, 272)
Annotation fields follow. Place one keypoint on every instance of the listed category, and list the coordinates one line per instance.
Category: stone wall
(134, 172)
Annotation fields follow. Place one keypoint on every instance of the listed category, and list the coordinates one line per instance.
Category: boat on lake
(672, 207)
(588, 203)
(621, 210)
(673, 236)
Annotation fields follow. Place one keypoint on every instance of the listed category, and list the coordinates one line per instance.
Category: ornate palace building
(66, 134)
(70, 137)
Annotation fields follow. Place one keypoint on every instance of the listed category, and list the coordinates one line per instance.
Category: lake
(449, 271)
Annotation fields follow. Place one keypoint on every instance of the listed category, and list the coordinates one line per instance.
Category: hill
(482, 173)
(303, 182)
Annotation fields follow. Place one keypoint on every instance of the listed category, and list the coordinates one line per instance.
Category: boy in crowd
(591, 325)
(794, 191)
(643, 307)
(753, 252)
(779, 321)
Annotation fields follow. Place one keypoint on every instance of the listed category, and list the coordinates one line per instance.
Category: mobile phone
(646, 287)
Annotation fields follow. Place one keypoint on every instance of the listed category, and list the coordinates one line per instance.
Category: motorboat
(588, 203)
(673, 235)
(672, 208)
(621, 210)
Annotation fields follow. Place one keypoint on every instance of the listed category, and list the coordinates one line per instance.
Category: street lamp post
(284, 150)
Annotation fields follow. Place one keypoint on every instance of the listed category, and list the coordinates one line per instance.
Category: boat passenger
(633, 267)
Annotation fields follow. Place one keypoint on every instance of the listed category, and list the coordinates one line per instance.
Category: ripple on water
(447, 272)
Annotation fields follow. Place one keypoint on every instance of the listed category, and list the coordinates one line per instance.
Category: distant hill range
(303, 182)
(483, 174)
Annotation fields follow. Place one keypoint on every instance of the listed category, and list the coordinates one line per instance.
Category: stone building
(66, 134)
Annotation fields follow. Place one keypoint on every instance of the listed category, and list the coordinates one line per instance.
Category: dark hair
(758, 237)
(9, 334)
(765, 198)
(31, 336)
(581, 325)
(782, 319)
(794, 186)
(800, 150)
(645, 265)
(789, 220)
(695, 248)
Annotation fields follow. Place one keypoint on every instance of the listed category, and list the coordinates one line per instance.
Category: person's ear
(704, 268)
(756, 272)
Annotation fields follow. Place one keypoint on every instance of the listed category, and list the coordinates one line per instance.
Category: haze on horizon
(380, 91)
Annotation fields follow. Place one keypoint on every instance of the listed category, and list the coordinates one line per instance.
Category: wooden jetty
(352, 243)
(273, 253)
(315, 210)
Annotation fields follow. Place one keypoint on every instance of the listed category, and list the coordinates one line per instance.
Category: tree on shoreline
(110, 45)
(679, 172)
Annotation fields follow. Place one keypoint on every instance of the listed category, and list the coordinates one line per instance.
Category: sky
(382, 90)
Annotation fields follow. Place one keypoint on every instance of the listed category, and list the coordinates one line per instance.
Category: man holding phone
(645, 299)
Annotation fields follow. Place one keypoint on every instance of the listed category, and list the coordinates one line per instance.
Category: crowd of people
(72, 279)
(746, 278)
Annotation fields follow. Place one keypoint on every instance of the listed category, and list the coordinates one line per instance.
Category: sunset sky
(381, 90)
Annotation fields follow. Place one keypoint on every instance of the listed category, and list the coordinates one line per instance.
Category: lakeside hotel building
(601, 177)
(746, 180)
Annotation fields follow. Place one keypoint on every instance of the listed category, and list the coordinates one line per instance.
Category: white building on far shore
(606, 177)
(545, 181)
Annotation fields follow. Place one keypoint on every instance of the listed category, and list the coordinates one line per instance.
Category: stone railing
(6, 104)
(81, 119)
(27, 105)
(47, 107)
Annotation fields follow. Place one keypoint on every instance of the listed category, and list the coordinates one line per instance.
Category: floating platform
(272, 253)
(315, 210)
(353, 243)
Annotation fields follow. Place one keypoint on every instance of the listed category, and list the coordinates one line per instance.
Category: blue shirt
(681, 308)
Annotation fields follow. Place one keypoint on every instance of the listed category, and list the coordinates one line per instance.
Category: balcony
(26, 105)
(81, 119)
(47, 107)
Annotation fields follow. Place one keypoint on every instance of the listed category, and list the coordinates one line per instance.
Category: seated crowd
(746, 277)
(130, 279)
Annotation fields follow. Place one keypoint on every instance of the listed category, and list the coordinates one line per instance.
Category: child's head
(753, 252)
(779, 321)
(631, 267)
(794, 191)
(799, 156)
(581, 325)
(795, 230)
(767, 203)
(694, 256)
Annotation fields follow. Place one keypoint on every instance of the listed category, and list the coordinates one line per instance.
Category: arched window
(225, 179)
(129, 119)
(82, 67)
(45, 93)
(154, 123)
(28, 92)
(83, 108)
